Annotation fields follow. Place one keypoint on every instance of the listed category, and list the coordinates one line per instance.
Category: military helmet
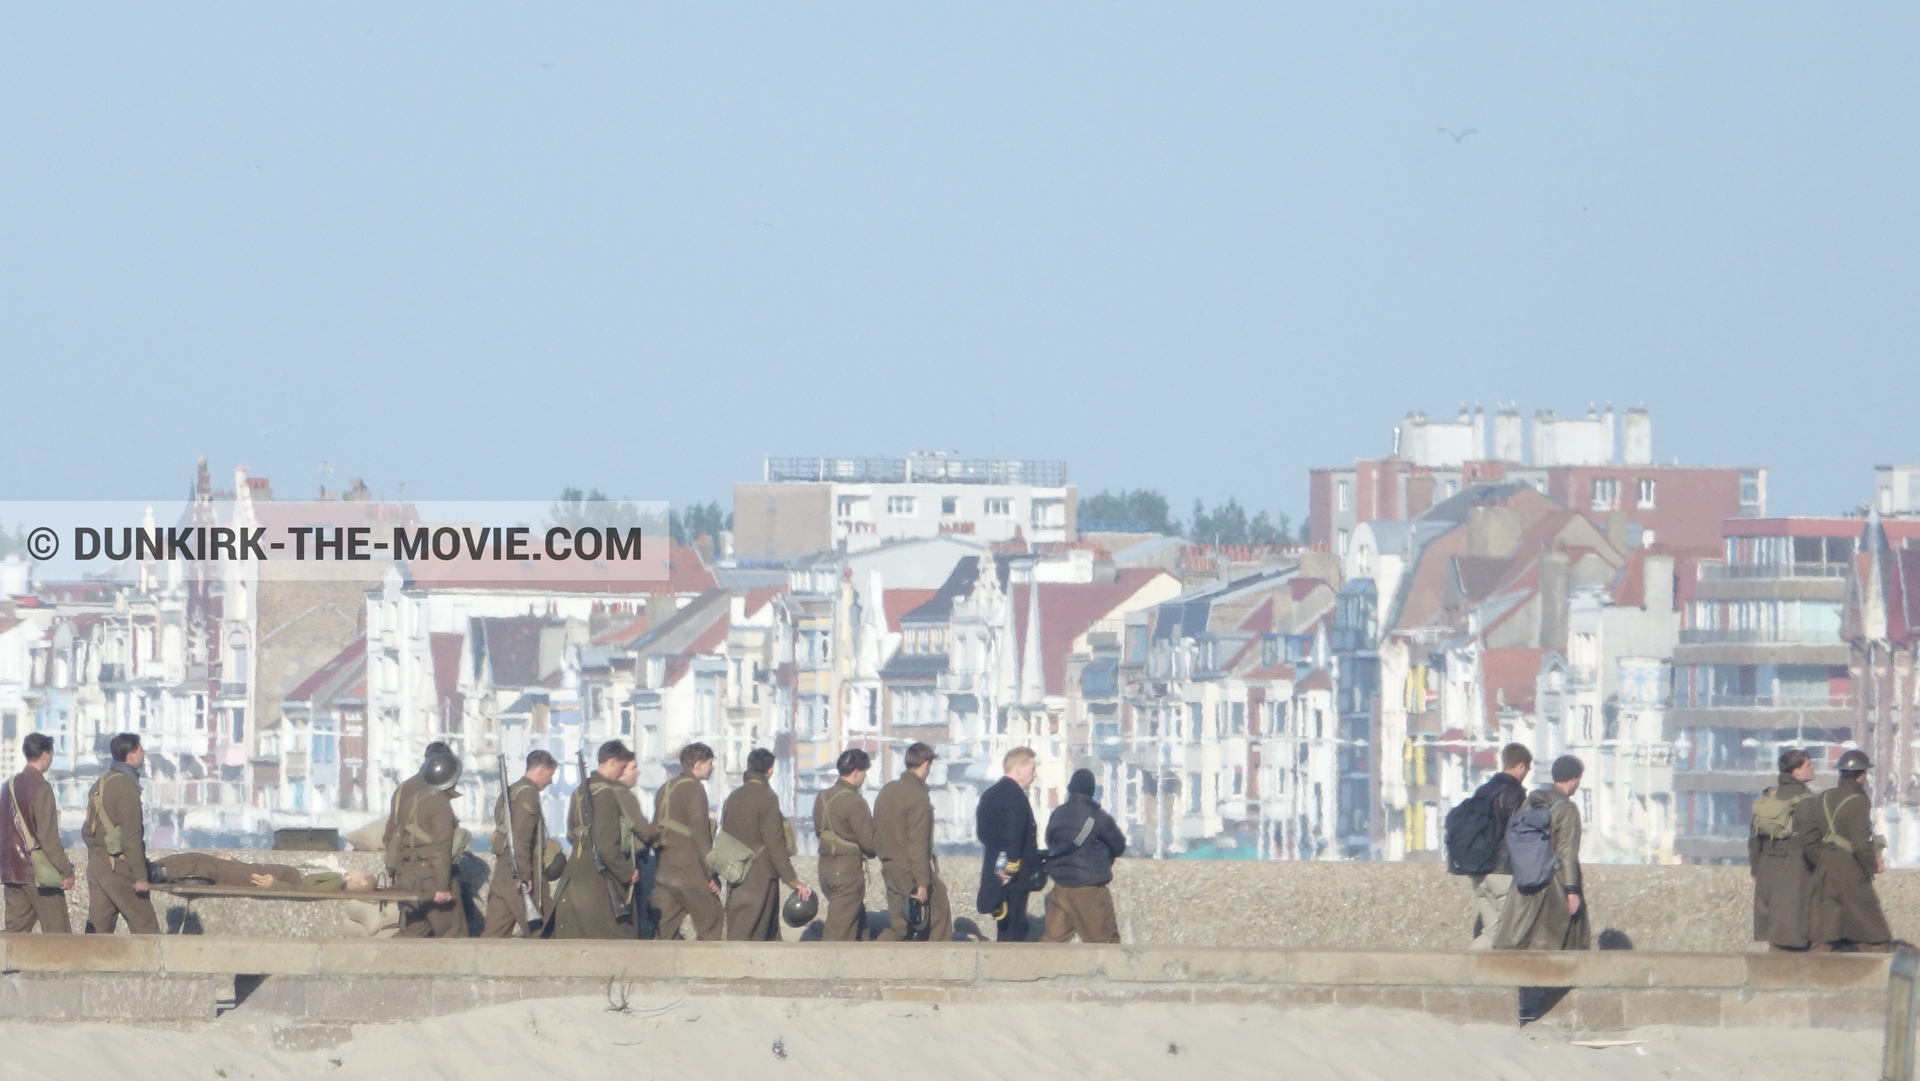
(1853, 760)
(800, 911)
(441, 772)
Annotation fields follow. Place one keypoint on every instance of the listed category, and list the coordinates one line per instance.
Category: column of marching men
(621, 874)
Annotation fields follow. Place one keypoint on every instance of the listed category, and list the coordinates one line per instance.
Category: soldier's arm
(606, 836)
(1753, 851)
(526, 833)
(46, 823)
(438, 819)
(773, 828)
(1857, 827)
(693, 804)
(125, 812)
(859, 823)
(645, 831)
(920, 844)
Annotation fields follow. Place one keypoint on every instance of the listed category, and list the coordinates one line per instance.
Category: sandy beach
(891, 1041)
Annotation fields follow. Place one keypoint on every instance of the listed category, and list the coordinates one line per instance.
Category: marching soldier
(422, 834)
(903, 834)
(1845, 911)
(684, 887)
(752, 815)
(595, 896)
(30, 825)
(115, 834)
(529, 847)
(845, 828)
(1777, 856)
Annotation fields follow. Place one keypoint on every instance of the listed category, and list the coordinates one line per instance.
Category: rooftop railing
(917, 470)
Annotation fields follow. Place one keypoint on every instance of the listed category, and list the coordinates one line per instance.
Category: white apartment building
(807, 505)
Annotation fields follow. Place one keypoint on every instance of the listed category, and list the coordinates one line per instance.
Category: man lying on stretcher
(199, 868)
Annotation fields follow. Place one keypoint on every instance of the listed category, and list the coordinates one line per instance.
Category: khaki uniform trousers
(30, 905)
(110, 895)
(1086, 911)
(680, 891)
(506, 914)
(899, 884)
(1490, 900)
(753, 907)
(844, 881)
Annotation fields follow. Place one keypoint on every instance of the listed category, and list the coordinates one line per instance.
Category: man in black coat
(1009, 863)
(1506, 790)
(1082, 843)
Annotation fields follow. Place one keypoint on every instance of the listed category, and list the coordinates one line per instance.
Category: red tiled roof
(311, 685)
(898, 602)
(1509, 675)
(757, 599)
(9, 624)
(712, 638)
(625, 634)
(1272, 671)
(1068, 610)
(676, 667)
(1630, 588)
(1317, 680)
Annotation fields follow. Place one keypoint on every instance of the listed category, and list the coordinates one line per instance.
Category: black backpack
(1473, 837)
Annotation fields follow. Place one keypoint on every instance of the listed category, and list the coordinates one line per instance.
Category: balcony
(1713, 571)
(1755, 636)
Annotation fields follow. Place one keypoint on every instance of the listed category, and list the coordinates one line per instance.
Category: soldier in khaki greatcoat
(903, 834)
(845, 828)
(683, 887)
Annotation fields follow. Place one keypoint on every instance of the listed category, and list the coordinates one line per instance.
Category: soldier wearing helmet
(423, 840)
(1844, 912)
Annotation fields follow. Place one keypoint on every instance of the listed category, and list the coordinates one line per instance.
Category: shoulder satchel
(45, 875)
(110, 837)
(825, 829)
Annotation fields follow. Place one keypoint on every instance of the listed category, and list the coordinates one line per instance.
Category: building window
(900, 504)
(239, 726)
(1239, 720)
(1239, 780)
(1342, 495)
(1606, 493)
(1753, 496)
(846, 506)
(1343, 543)
(1193, 793)
(999, 507)
(1643, 493)
(949, 505)
(1586, 724)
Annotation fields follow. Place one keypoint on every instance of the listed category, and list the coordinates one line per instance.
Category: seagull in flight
(1458, 136)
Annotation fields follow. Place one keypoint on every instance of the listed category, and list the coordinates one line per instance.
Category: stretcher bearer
(422, 843)
(115, 834)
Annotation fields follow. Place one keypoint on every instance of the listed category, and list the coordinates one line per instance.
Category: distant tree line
(1144, 510)
(575, 508)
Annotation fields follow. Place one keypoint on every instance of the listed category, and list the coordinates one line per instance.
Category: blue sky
(486, 252)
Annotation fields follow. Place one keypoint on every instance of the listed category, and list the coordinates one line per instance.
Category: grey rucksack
(1530, 848)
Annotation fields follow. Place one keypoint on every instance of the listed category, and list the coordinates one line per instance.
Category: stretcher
(196, 892)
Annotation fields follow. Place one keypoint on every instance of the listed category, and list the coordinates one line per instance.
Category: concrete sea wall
(1210, 903)
(305, 993)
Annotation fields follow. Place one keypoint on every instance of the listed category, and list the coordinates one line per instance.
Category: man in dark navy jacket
(1009, 862)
